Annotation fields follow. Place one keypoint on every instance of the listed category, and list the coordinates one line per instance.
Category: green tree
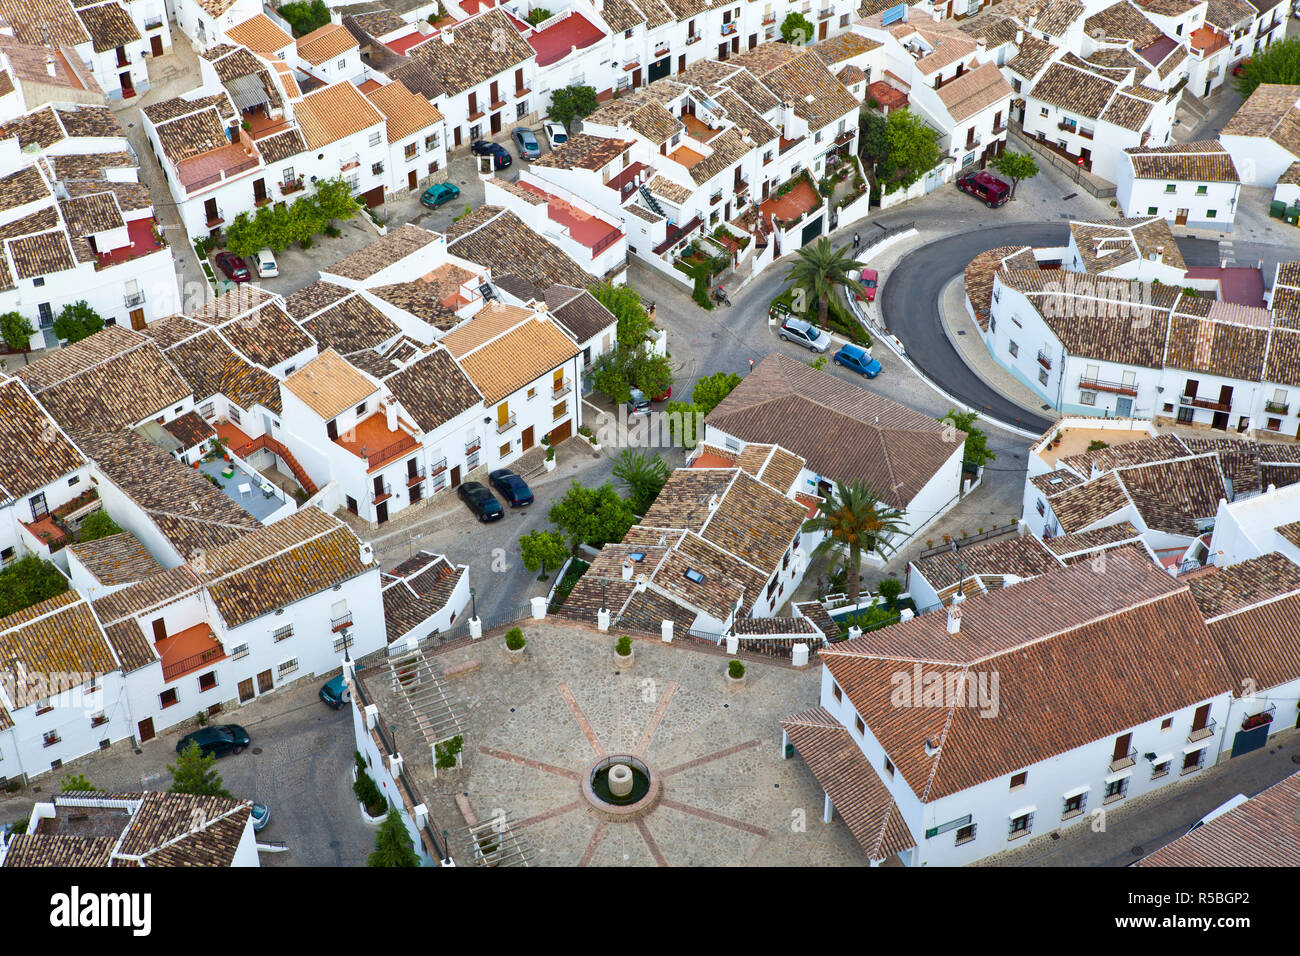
(712, 389)
(393, 844)
(543, 550)
(609, 375)
(644, 475)
(650, 372)
(304, 17)
(77, 321)
(797, 30)
(99, 524)
(28, 581)
(1280, 63)
(819, 270)
(594, 516)
(571, 103)
(538, 15)
(1015, 166)
(242, 235)
(855, 521)
(684, 423)
(624, 302)
(194, 773)
(77, 783)
(16, 332)
(976, 451)
(913, 146)
(873, 141)
(334, 199)
(271, 223)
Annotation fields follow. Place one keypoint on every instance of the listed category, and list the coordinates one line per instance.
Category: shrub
(305, 242)
(367, 791)
(445, 753)
(1097, 445)
(362, 766)
(515, 639)
(623, 646)
(28, 581)
(333, 231)
(890, 589)
(735, 669)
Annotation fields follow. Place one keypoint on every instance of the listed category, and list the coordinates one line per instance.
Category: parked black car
(481, 501)
(511, 487)
(218, 741)
(500, 158)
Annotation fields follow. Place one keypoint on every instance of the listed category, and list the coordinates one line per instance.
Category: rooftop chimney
(50, 66)
(627, 569)
(447, 37)
(954, 612)
(1020, 37)
(425, 27)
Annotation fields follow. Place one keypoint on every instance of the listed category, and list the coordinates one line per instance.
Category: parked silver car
(805, 334)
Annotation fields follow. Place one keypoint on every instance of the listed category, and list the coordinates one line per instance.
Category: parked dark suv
(500, 158)
(985, 186)
(481, 501)
(217, 741)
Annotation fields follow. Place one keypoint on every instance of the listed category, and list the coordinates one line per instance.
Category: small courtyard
(534, 728)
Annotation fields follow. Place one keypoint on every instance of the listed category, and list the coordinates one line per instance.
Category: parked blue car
(333, 691)
(857, 358)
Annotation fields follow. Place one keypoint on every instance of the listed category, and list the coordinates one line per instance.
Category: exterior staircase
(272, 445)
(651, 202)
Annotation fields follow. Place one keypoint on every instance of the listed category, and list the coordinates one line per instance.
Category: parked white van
(266, 265)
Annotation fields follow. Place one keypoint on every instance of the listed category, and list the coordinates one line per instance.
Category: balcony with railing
(415, 477)
(154, 23)
(695, 38)
(292, 186)
(661, 49)
(1102, 385)
(1205, 403)
(374, 441)
(1277, 408)
(438, 467)
(728, 29)
(1122, 763)
(1067, 126)
(381, 494)
(133, 301)
(826, 14)
(1200, 733)
(186, 651)
(473, 445)
(350, 162)
(508, 423)
(1044, 359)
(564, 387)
(343, 620)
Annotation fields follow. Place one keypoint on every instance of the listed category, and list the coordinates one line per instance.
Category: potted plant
(515, 643)
(550, 458)
(446, 754)
(372, 802)
(623, 650)
(735, 672)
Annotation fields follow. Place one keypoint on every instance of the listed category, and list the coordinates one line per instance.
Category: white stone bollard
(666, 632)
(906, 614)
(475, 628)
(602, 619)
(799, 655)
(733, 644)
(539, 608)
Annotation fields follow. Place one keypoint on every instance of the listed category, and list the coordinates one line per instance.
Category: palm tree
(855, 521)
(820, 269)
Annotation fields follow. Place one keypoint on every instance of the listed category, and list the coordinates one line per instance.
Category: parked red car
(235, 268)
(985, 186)
(868, 282)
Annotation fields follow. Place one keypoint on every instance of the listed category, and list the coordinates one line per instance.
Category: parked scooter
(720, 296)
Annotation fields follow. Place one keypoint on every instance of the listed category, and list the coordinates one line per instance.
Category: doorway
(145, 728)
(124, 80)
(495, 123)
(412, 181)
(246, 690)
(159, 630)
(259, 192)
(137, 319)
(155, 45)
(264, 683)
(1180, 218)
(527, 438)
(211, 213)
(455, 477)
(381, 512)
(1124, 408)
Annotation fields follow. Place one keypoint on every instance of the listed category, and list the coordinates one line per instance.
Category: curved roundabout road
(910, 310)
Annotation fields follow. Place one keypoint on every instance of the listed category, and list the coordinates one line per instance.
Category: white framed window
(282, 633)
(240, 650)
(1013, 348)
(287, 667)
(374, 139)
(1087, 398)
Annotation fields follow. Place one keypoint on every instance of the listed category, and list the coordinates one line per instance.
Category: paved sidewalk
(965, 336)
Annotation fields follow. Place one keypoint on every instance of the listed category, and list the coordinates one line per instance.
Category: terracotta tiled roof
(350, 325)
(1087, 543)
(1262, 832)
(311, 299)
(212, 367)
(325, 43)
(404, 112)
(155, 591)
(22, 187)
(1079, 91)
(191, 135)
(1226, 590)
(1204, 162)
(57, 636)
(584, 151)
(281, 146)
(1082, 505)
(267, 336)
(33, 451)
(44, 22)
(1023, 556)
(1032, 56)
(532, 348)
(433, 390)
(1271, 112)
(109, 26)
(1219, 348)
(854, 787)
(415, 590)
(1172, 496)
(334, 112)
(1053, 481)
(92, 214)
(480, 48)
(116, 559)
(578, 312)
(500, 240)
(111, 380)
(383, 252)
(39, 127)
(844, 432)
(178, 106)
(189, 429)
(1130, 112)
(328, 385)
(260, 34)
(1122, 21)
(1061, 643)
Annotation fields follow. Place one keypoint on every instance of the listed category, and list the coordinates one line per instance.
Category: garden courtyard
(534, 727)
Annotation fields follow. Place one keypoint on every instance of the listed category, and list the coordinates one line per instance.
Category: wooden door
(155, 45)
(1121, 746)
(455, 477)
(246, 690)
(1180, 219)
(496, 123)
(528, 438)
(636, 78)
(264, 682)
(412, 181)
(821, 30)
(137, 319)
(159, 630)
(561, 432)
(1201, 718)
(145, 728)
(381, 512)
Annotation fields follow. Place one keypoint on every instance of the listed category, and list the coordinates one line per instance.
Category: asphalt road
(909, 303)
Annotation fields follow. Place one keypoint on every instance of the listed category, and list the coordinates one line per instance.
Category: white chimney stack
(954, 613)
(50, 68)
(627, 569)
(390, 414)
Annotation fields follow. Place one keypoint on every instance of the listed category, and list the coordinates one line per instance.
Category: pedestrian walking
(857, 241)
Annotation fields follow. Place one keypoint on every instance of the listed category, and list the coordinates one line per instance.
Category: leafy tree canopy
(194, 773)
(393, 845)
(1280, 63)
(28, 581)
(77, 321)
(644, 475)
(99, 524)
(625, 303)
(712, 389)
(571, 103)
(16, 330)
(304, 17)
(913, 146)
(1015, 166)
(977, 449)
(543, 550)
(797, 30)
(594, 516)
